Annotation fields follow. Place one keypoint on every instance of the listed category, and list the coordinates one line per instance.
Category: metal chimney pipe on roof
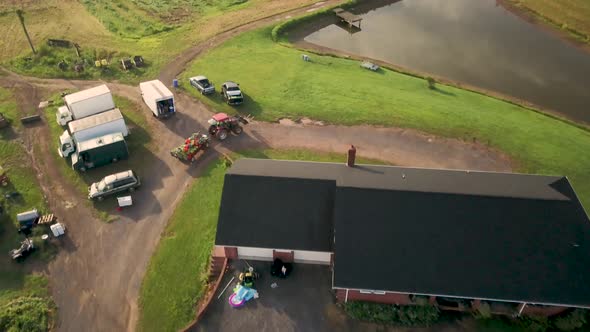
(351, 156)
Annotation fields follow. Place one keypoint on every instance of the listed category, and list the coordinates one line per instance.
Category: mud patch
(308, 121)
(299, 122)
(287, 122)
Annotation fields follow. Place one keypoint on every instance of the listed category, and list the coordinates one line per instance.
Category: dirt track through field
(96, 279)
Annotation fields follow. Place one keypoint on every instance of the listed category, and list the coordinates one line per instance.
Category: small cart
(192, 145)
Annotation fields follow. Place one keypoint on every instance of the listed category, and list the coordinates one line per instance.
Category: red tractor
(221, 124)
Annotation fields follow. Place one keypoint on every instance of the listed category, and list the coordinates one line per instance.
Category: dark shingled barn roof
(498, 236)
(275, 212)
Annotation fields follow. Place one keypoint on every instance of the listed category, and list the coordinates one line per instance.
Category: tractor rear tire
(237, 130)
(222, 134)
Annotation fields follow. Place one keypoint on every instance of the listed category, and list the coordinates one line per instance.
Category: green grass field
(140, 144)
(171, 287)
(570, 15)
(140, 18)
(156, 29)
(24, 303)
(277, 83)
(125, 18)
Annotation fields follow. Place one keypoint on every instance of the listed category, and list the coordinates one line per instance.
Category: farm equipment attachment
(25, 248)
(221, 124)
(192, 145)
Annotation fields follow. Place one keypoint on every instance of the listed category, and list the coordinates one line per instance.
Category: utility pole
(21, 18)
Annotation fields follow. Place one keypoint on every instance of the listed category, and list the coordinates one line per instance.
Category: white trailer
(90, 127)
(85, 103)
(158, 98)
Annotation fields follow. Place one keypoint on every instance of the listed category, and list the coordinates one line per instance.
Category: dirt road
(95, 281)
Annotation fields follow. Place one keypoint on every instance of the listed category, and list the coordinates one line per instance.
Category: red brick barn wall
(388, 298)
(285, 256)
(542, 311)
(231, 252)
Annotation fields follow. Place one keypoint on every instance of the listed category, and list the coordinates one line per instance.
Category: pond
(477, 42)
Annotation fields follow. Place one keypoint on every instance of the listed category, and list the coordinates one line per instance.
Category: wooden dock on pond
(348, 17)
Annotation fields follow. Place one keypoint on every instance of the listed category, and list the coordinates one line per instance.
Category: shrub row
(425, 315)
(418, 315)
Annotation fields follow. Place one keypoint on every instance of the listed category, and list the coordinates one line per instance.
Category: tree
(21, 18)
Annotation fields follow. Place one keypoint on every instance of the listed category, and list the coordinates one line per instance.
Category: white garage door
(300, 256)
(255, 253)
(312, 257)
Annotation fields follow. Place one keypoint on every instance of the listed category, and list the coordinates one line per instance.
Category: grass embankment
(569, 15)
(176, 276)
(24, 302)
(140, 144)
(158, 30)
(277, 83)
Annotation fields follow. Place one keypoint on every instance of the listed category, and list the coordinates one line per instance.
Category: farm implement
(192, 145)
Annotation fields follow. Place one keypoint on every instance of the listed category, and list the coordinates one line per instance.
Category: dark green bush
(422, 315)
(483, 312)
(25, 313)
(431, 83)
(534, 323)
(572, 321)
(416, 315)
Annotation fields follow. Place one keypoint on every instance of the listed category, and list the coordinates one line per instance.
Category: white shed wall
(255, 253)
(312, 256)
(300, 256)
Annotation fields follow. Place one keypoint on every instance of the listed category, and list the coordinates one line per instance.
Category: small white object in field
(57, 229)
(125, 201)
(369, 65)
(305, 57)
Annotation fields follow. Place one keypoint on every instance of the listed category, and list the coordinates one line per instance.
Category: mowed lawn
(277, 83)
(176, 276)
(573, 15)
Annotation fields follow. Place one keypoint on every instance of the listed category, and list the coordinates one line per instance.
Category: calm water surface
(476, 42)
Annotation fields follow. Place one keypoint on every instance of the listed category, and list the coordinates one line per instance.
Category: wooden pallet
(47, 219)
